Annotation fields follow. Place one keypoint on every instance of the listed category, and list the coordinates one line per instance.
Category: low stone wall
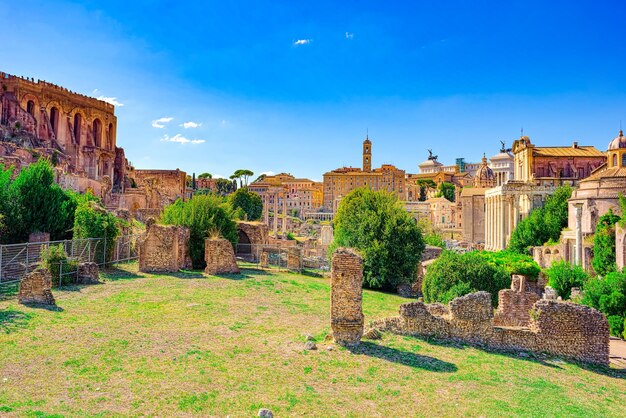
(88, 273)
(346, 313)
(558, 328)
(163, 248)
(220, 257)
(36, 288)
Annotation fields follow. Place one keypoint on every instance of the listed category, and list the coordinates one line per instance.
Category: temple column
(505, 221)
(579, 233)
(515, 211)
(486, 221)
(275, 214)
(284, 214)
(266, 209)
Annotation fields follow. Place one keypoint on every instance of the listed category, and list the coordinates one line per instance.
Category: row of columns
(501, 217)
(266, 210)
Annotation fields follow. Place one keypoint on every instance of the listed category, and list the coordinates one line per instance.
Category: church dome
(485, 177)
(618, 142)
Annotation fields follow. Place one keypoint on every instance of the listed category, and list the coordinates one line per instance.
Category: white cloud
(302, 42)
(181, 139)
(349, 35)
(111, 100)
(188, 125)
(160, 123)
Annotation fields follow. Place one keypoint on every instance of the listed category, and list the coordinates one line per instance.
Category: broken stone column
(36, 288)
(346, 313)
(264, 259)
(163, 248)
(220, 257)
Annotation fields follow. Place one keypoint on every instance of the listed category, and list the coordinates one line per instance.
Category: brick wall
(220, 257)
(346, 313)
(163, 248)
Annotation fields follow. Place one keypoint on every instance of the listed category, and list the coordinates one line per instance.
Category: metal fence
(17, 260)
(282, 258)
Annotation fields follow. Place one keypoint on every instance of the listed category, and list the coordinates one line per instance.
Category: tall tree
(205, 176)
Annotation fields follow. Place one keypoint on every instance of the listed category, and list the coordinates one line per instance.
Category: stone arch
(110, 136)
(244, 245)
(54, 119)
(96, 131)
(77, 126)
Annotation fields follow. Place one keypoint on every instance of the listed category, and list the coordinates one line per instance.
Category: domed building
(485, 177)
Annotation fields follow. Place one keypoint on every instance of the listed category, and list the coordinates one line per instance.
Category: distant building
(301, 194)
(472, 201)
(338, 183)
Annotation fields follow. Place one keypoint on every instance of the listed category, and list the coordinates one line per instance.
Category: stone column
(579, 233)
(284, 214)
(275, 214)
(346, 312)
(266, 209)
(515, 211)
(505, 222)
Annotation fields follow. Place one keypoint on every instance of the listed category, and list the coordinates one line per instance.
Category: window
(30, 107)
(623, 160)
(54, 119)
(78, 119)
(97, 133)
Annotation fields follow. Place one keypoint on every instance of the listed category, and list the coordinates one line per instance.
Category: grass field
(185, 344)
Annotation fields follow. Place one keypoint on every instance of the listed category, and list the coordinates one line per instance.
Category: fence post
(104, 253)
(89, 246)
(1, 248)
(60, 273)
(27, 261)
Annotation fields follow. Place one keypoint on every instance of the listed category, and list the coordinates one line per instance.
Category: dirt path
(617, 353)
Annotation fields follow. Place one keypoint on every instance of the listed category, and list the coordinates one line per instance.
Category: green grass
(184, 344)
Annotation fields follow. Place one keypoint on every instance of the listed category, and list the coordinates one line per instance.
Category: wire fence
(17, 260)
(281, 258)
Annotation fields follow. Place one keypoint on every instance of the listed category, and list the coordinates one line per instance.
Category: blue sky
(293, 86)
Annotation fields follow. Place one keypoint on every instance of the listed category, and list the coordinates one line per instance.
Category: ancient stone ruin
(220, 257)
(557, 328)
(294, 259)
(163, 248)
(514, 304)
(36, 287)
(252, 237)
(88, 273)
(346, 313)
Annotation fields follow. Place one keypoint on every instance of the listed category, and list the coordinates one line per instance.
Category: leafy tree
(543, 224)
(453, 275)
(249, 202)
(93, 221)
(562, 276)
(205, 176)
(224, 187)
(608, 295)
(513, 263)
(446, 190)
(425, 186)
(603, 260)
(431, 235)
(375, 223)
(203, 214)
(34, 203)
(242, 175)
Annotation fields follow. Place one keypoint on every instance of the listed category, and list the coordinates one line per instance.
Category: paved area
(617, 353)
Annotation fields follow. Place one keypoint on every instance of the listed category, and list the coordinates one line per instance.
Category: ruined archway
(244, 246)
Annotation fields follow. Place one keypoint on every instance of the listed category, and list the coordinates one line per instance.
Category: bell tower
(367, 154)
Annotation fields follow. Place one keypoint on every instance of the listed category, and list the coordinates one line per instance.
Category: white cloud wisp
(160, 123)
(181, 139)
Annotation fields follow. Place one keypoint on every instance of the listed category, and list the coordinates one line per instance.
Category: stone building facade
(472, 202)
(301, 195)
(338, 183)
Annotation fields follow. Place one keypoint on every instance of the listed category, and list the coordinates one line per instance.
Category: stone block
(88, 273)
(36, 288)
(163, 248)
(220, 257)
(346, 311)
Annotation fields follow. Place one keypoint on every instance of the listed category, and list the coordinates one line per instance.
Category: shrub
(375, 223)
(201, 214)
(54, 259)
(249, 202)
(603, 260)
(34, 203)
(92, 220)
(513, 263)
(431, 235)
(543, 224)
(608, 295)
(453, 275)
(562, 276)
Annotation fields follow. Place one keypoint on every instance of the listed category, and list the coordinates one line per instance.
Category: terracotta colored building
(338, 183)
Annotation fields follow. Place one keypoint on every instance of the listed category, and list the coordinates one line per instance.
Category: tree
(250, 203)
(376, 224)
(242, 175)
(203, 215)
(432, 236)
(446, 190)
(543, 224)
(603, 260)
(93, 221)
(425, 186)
(608, 295)
(33, 202)
(562, 276)
(224, 187)
(205, 176)
(453, 275)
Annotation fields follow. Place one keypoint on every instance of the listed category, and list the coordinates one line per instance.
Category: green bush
(375, 223)
(543, 224)
(54, 259)
(608, 295)
(562, 276)
(603, 260)
(513, 263)
(453, 275)
(249, 202)
(34, 203)
(202, 214)
(92, 220)
(431, 235)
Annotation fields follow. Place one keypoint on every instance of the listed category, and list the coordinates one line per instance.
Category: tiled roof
(614, 172)
(580, 151)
